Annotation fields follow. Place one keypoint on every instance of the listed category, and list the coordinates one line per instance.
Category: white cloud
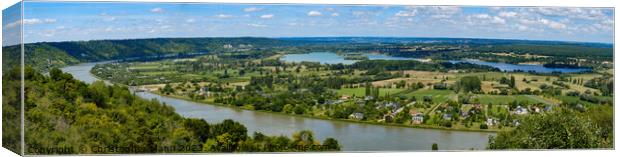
(498, 20)
(552, 24)
(266, 16)
(571, 12)
(482, 16)
(12, 24)
(406, 13)
(438, 12)
(544, 22)
(335, 14)
(314, 13)
(190, 20)
(485, 19)
(252, 9)
(223, 16)
(527, 21)
(522, 27)
(507, 14)
(608, 22)
(157, 10)
(35, 21)
(257, 25)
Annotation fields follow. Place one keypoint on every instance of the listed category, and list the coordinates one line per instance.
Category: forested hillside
(67, 116)
(562, 50)
(46, 55)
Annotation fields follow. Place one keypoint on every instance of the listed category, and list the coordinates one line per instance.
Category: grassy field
(439, 96)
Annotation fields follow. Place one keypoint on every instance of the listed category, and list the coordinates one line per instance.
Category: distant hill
(411, 40)
(40, 55)
(45, 55)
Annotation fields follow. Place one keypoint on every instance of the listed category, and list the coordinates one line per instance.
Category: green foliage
(564, 50)
(559, 130)
(11, 106)
(469, 84)
(484, 126)
(64, 112)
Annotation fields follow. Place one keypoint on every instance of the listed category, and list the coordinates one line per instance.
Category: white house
(357, 116)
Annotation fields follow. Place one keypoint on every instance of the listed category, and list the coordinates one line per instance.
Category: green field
(439, 96)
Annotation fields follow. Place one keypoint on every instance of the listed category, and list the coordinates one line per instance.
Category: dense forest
(67, 116)
(562, 50)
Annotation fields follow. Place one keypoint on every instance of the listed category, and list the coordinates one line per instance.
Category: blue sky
(63, 21)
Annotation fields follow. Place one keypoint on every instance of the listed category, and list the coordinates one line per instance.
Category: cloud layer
(73, 21)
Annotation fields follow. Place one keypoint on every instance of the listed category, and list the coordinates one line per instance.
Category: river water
(352, 136)
(333, 58)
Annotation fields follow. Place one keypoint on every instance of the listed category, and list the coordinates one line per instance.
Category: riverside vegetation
(67, 116)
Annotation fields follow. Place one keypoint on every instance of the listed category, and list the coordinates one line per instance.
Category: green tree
(512, 82)
(559, 130)
(331, 144)
(469, 84)
(368, 86)
(288, 108)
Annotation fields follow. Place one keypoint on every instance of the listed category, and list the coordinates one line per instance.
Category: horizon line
(280, 37)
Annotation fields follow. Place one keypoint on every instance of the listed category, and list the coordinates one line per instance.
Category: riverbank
(333, 119)
(353, 136)
(313, 117)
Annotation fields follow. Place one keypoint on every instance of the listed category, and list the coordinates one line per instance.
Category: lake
(352, 136)
(333, 58)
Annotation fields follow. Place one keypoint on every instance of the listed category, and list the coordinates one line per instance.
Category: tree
(167, 89)
(484, 126)
(200, 128)
(331, 144)
(288, 108)
(512, 82)
(368, 90)
(99, 93)
(469, 84)
(299, 109)
(558, 130)
(304, 140)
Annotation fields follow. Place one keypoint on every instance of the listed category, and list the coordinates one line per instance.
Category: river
(333, 58)
(351, 136)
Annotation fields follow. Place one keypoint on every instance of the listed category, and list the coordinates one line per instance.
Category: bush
(484, 126)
